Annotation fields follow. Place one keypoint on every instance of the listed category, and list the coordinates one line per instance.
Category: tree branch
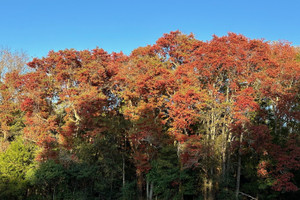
(247, 195)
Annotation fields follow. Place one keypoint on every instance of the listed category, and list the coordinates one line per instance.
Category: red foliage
(179, 86)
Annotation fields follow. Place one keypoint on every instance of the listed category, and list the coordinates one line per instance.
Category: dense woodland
(180, 119)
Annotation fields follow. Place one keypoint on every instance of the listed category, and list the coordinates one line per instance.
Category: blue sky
(37, 26)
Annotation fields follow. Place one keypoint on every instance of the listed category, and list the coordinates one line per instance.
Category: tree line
(179, 119)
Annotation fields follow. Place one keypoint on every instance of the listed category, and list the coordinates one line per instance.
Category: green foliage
(17, 124)
(165, 172)
(15, 163)
(96, 174)
(171, 182)
(225, 194)
(48, 178)
(129, 191)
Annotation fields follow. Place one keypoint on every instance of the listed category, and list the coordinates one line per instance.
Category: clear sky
(37, 26)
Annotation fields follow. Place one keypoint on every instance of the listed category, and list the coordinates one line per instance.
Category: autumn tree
(210, 90)
(181, 118)
(11, 60)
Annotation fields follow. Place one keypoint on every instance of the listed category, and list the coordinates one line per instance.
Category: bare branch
(247, 195)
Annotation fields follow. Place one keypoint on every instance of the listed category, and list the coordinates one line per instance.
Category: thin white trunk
(147, 189)
(151, 191)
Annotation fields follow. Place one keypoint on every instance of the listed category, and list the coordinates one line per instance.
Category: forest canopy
(179, 119)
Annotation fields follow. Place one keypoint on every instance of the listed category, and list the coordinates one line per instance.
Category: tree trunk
(224, 150)
(238, 176)
(180, 185)
(53, 195)
(123, 170)
(210, 190)
(147, 188)
(205, 189)
(151, 191)
(228, 162)
(139, 175)
(223, 164)
(181, 168)
(4, 135)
